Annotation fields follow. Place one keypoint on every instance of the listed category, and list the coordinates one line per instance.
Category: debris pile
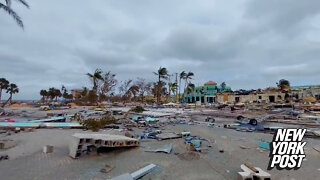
(81, 142)
(250, 172)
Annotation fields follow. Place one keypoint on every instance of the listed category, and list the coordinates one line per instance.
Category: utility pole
(169, 82)
(176, 87)
(169, 90)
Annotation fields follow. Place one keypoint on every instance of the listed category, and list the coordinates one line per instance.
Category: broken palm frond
(12, 13)
(15, 16)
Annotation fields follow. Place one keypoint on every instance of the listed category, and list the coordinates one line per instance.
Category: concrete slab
(98, 140)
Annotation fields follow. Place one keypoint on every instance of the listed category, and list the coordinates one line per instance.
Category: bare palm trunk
(185, 85)
(179, 89)
(142, 99)
(158, 91)
(176, 96)
(9, 100)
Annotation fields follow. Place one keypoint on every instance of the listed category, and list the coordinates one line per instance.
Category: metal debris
(166, 149)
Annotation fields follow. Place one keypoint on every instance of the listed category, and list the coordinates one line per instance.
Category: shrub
(138, 109)
(95, 124)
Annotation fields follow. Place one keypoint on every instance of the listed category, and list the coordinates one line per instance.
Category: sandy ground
(28, 162)
(28, 113)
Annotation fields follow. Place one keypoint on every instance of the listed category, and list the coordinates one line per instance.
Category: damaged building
(269, 95)
(300, 92)
(205, 94)
(252, 96)
(210, 93)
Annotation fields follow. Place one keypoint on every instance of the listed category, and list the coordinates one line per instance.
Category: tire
(253, 122)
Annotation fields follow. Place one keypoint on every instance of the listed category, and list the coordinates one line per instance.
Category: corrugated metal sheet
(48, 119)
(39, 124)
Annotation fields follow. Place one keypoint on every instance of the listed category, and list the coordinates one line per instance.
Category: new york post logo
(287, 149)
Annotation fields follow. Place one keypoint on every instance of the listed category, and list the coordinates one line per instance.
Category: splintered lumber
(250, 172)
(251, 167)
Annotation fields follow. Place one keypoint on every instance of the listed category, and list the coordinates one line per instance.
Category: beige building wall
(250, 98)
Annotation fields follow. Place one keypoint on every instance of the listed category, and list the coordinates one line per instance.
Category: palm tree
(188, 77)
(189, 87)
(57, 93)
(156, 89)
(162, 74)
(12, 89)
(4, 84)
(51, 93)
(64, 92)
(83, 95)
(181, 76)
(223, 86)
(44, 94)
(84, 91)
(7, 7)
(172, 88)
(95, 77)
(133, 90)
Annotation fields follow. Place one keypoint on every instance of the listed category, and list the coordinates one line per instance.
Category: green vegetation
(104, 85)
(162, 73)
(283, 85)
(95, 77)
(95, 124)
(51, 94)
(10, 88)
(4, 84)
(138, 109)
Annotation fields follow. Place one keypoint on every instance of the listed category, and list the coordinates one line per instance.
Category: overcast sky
(246, 43)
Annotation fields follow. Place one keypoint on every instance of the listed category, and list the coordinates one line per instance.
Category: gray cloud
(282, 14)
(247, 43)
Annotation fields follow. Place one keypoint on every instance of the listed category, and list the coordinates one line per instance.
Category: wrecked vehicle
(210, 120)
(251, 121)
